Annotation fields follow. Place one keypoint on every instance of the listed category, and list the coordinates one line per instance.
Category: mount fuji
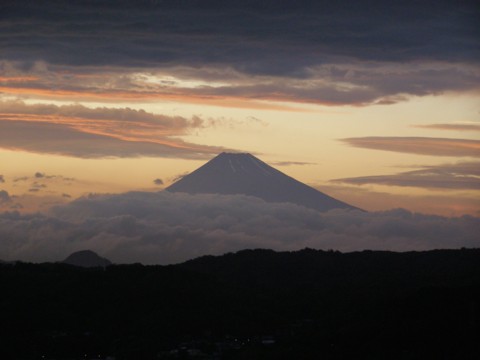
(244, 174)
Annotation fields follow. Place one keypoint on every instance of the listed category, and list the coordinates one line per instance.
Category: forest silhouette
(254, 304)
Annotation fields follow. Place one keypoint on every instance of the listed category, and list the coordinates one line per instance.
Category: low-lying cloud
(161, 228)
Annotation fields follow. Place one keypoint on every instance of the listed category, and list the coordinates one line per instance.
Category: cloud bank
(167, 228)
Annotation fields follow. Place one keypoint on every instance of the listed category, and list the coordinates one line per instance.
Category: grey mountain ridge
(244, 174)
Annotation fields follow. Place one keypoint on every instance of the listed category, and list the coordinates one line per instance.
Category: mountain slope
(245, 174)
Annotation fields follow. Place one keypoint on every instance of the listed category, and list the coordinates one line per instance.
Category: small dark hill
(244, 174)
(86, 258)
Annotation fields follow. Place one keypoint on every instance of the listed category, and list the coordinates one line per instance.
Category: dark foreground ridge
(244, 174)
(255, 304)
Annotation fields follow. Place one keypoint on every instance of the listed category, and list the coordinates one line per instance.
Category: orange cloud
(20, 79)
(75, 130)
(177, 96)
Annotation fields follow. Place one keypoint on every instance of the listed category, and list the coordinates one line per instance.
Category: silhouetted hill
(254, 304)
(245, 174)
(86, 258)
(7, 262)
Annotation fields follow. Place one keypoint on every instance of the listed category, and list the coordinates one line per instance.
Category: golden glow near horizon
(106, 140)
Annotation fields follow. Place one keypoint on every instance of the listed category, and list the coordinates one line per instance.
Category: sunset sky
(376, 103)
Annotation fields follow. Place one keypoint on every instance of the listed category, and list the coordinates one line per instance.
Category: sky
(376, 103)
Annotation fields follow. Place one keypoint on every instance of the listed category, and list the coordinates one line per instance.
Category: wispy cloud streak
(419, 145)
(461, 176)
(453, 127)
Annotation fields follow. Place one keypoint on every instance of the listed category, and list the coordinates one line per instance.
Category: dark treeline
(255, 304)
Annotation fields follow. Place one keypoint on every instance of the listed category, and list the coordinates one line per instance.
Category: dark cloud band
(270, 38)
(302, 51)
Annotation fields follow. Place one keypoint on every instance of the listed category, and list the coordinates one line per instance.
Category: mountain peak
(245, 174)
(239, 163)
(234, 154)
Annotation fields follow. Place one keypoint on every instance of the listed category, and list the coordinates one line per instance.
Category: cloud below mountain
(167, 228)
